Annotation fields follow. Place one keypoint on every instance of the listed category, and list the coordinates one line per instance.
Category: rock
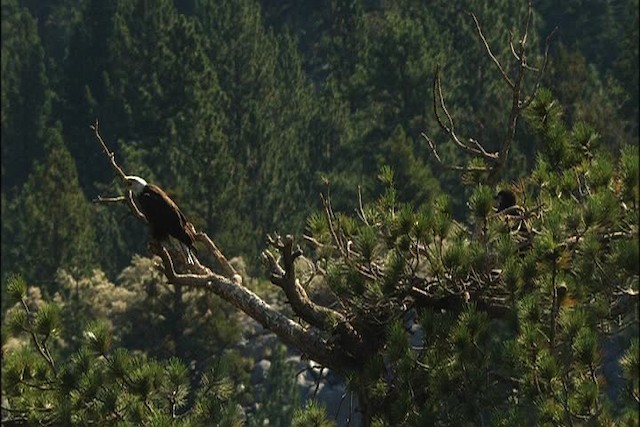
(341, 404)
(258, 344)
(259, 372)
(416, 335)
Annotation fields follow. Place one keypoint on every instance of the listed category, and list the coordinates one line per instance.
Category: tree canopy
(342, 164)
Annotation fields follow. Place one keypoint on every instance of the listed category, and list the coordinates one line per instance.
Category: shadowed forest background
(244, 111)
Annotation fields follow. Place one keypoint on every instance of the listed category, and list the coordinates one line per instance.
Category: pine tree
(436, 309)
(49, 221)
(527, 345)
(99, 384)
(278, 393)
(82, 96)
(26, 95)
(269, 112)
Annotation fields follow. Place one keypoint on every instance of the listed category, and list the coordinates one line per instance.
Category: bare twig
(451, 167)
(108, 153)
(495, 160)
(330, 217)
(361, 214)
(114, 165)
(476, 150)
(227, 268)
(543, 67)
(503, 73)
(116, 199)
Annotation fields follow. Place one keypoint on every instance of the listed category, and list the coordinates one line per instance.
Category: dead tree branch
(545, 61)
(128, 199)
(227, 268)
(329, 339)
(117, 199)
(284, 276)
(110, 154)
(432, 147)
(503, 73)
(519, 102)
(438, 100)
(310, 341)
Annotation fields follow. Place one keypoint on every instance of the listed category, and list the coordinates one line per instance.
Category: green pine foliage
(26, 97)
(313, 415)
(49, 221)
(244, 111)
(278, 398)
(543, 364)
(99, 384)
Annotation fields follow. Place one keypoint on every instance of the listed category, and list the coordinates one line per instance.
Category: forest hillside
(381, 137)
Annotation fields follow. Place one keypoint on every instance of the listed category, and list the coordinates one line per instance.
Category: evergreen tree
(55, 20)
(99, 384)
(49, 221)
(278, 393)
(287, 164)
(82, 88)
(561, 269)
(343, 157)
(25, 95)
(269, 113)
(243, 111)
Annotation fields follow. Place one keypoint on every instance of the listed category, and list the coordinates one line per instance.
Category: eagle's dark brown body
(506, 199)
(163, 215)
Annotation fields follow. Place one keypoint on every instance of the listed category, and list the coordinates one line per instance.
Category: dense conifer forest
(373, 134)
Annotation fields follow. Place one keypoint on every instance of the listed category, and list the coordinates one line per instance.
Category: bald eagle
(506, 199)
(163, 215)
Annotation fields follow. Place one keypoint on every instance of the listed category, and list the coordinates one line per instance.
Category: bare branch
(114, 165)
(513, 49)
(117, 199)
(317, 315)
(515, 84)
(545, 61)
(517, 105)
(227, 268)
(277, 273)
(361, 214)
(329, 215)
(527, 24)
(108, 153)
(505, 77)
(307, 340)
(438, 99)
(313, 241)
(437, 86)
(451, 167)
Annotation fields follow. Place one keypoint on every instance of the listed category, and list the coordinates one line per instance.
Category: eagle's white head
(136, 184)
